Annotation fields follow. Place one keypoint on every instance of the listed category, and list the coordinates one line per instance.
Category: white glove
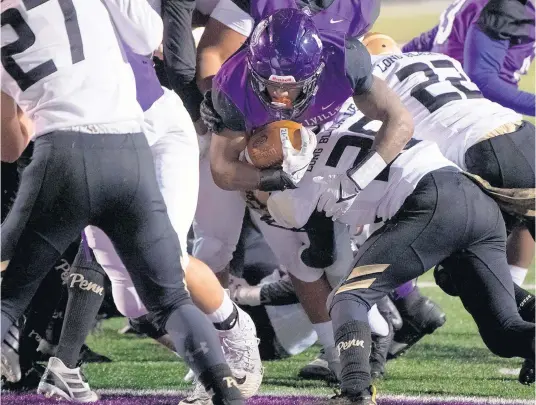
(339, 194)
(296, 162)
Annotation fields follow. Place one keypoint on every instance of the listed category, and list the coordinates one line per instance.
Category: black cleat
(378, 353)
(28, 382)
(422, 318)
(526, 375)
(365, 397)
(89, 356)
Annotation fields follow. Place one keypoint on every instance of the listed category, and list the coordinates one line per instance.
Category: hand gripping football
(265, 147)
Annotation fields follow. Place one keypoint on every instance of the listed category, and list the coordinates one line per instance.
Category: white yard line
(422, 399)
(431, 284)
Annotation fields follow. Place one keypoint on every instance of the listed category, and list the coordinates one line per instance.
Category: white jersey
(447, 107)
(339, 149)
(64, 66)
(232, 16)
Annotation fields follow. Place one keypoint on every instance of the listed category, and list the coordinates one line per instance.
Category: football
(265, 148)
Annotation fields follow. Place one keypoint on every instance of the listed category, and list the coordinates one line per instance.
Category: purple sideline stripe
(34, 399)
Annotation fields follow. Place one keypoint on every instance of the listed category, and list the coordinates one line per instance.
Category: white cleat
(199, 396)
(190, 376)
(63, 383)
(241, 350)
(10, 355)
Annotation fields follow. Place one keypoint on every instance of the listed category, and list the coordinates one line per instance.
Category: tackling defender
(432, 212)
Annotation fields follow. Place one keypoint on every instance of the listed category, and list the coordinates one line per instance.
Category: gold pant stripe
(358, 285)
(367, 269)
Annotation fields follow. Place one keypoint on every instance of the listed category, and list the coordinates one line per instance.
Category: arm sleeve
(235, 15)
(139, 26)
(280, 292)
(232, 118)
(483, 59)
(358, 66)
(180, 53)
(422, 43)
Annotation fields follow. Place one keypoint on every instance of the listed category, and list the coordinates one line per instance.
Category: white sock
(378, 324)
(224, 311)
(324, 331)
(518, 274)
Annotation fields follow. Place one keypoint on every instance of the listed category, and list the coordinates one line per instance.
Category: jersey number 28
(26, 39)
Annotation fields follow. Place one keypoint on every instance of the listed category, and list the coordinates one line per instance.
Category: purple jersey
(148, 88)
(462, 15)
(347, 17)
(347, 71)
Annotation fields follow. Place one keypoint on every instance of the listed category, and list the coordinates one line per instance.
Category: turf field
(453, 362)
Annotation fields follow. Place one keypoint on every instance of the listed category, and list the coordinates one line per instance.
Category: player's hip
(168, 118)
(506, 159)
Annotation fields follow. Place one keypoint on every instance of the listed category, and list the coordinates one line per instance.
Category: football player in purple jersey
(494, 40)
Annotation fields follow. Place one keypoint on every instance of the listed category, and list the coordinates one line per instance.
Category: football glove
(275, 180)
(296, 162)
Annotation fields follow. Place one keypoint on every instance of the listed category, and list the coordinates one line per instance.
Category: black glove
(209, 115)
(275, 180)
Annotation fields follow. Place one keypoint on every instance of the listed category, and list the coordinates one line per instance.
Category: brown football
(265, 148)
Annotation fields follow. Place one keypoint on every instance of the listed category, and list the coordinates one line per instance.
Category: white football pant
(218, 220)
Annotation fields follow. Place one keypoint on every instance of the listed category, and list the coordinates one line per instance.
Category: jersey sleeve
(483, 59)
(506, 19)
(232, 118)
(358, 66)
(235, 15)
(139, 26)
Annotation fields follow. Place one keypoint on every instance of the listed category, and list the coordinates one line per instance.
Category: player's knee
(162, 313)
(214, 252)
(512, 340)
(145, 326)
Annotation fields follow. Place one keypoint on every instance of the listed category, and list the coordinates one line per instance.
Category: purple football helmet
(285, 53)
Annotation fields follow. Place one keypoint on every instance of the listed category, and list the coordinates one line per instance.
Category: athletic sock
(518, 274)
(86, 293)
(354, 342)
(226, 316)
(525, 304)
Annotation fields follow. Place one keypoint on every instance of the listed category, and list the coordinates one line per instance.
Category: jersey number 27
(26, 39)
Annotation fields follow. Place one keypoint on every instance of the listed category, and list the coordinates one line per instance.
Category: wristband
(274, 180)
(367, 170)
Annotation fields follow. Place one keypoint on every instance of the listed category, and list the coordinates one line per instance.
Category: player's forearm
(381, 103)
(422, 43)
(16, 129)
(235, 175)
(394, 134)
